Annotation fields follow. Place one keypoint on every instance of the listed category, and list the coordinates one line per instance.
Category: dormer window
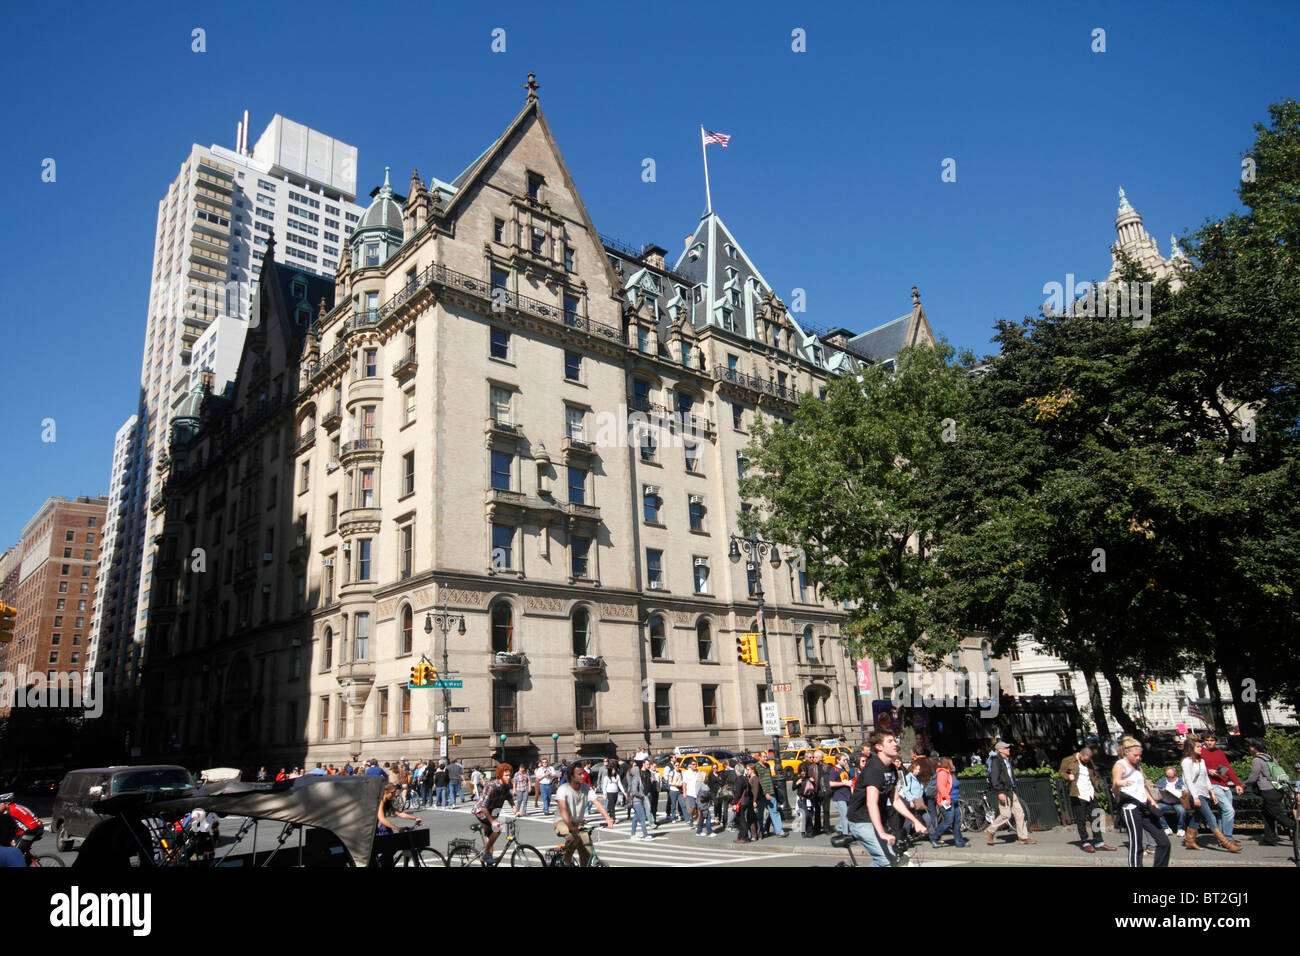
(535, 182)
(730, 250)
(732, 274)
(298, 289)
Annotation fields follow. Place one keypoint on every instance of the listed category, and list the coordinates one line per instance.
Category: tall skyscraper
(213, 226)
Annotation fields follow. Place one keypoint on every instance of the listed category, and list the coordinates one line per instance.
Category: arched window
(811, 699)
(809, 648)
(704, 640)
(327, 649)
(408, 627)
(658, 638)
(503, 628)
(581, 632)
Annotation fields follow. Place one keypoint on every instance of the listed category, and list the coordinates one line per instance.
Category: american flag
(1194, 711)
(722, 139)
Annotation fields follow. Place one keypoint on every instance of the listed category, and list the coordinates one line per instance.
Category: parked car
(74, 816)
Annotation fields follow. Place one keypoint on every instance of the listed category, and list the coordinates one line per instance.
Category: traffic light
(742, 648)
(416, 673)
(7, 615)
(455, 740)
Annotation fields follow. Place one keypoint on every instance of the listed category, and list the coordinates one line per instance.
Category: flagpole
(708, 199)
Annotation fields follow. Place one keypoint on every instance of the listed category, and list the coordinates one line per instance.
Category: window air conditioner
(652, 490)
(327, 562)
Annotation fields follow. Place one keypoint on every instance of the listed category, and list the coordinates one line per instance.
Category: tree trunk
(1117, 704)
(1250, 715)
(1216, 699)
(1098, 707)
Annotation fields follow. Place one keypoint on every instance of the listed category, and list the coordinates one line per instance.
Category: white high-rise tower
(213, 226)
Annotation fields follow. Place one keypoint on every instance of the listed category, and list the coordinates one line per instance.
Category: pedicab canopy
(346, 806)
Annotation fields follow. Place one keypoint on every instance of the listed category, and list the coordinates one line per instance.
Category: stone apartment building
(504, 415)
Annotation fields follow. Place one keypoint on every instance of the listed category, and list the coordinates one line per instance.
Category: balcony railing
(304, 441)
(332, 417)
(723, 373)
(362, 444)
(405, 364)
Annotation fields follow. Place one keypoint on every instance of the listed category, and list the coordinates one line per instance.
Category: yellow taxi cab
(791, 759)
(707, 765)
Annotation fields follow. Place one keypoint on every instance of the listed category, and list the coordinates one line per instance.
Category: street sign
(780, 688)
(771, 719)
(460, 710)
(442, 746)
(445, 684)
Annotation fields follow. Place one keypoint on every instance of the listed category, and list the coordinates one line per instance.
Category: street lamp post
(444, 622)
(755, 549)
(555, 742)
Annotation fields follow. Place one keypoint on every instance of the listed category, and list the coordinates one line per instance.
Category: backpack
(1277, 774)
(932, 787)
(704, 794)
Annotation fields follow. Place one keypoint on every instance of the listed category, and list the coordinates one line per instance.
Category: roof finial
(916, 297)
(532, 86)
(1123, 200)
(1175, 250)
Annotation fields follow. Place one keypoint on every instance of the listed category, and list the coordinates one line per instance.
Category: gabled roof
(884, 342)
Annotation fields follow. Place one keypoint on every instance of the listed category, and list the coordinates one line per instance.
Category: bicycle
(409, 847)
(970, 817)
(555, 855)
(45, 859)
(908, 848)
(464, 851)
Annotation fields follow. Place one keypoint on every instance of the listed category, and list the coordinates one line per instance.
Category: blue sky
(831, 183)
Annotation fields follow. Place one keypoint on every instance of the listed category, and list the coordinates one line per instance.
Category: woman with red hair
(490, 799)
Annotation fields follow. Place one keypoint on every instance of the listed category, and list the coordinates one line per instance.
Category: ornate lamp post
(555, 742)
(444, 622)
(755, 549)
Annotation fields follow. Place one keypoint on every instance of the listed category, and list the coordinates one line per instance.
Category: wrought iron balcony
(783, 392)
(305, 441)
(333, 417)
(362, 445)
(406, 365)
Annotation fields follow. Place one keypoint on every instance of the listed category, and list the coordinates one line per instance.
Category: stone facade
(511, 419)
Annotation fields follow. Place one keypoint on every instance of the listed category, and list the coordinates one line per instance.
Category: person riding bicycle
(491, 796)
(18, 825)
(571, 802)
(386, 824)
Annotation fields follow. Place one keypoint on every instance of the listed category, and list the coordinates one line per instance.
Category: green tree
(850, 480)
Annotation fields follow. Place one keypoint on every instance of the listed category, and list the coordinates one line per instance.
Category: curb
(948, 853)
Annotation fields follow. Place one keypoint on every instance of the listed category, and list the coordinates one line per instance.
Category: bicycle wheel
(464, 856)
(426, 857)
(526, 855)
(50, 861)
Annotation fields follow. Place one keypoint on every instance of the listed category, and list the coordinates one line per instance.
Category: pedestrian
(676, 800)
(691, 788)
(611, 785)
(722, 800)
(441, 788)
(1002, 779)
(773, 824)
(1200, 797)
(521, 780)
(1078, 771)
(755, 801)
(1138, 809)
(947, 803)
(1223, 781)
(545, 781)
(476, 781)
(704, 802)
(841, 789)
(261, 775)
(634, 788)
(455, 777)
(742, 804)
(654, 786)
(1265, 775)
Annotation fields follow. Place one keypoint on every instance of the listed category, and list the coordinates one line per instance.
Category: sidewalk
(1056, 847)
